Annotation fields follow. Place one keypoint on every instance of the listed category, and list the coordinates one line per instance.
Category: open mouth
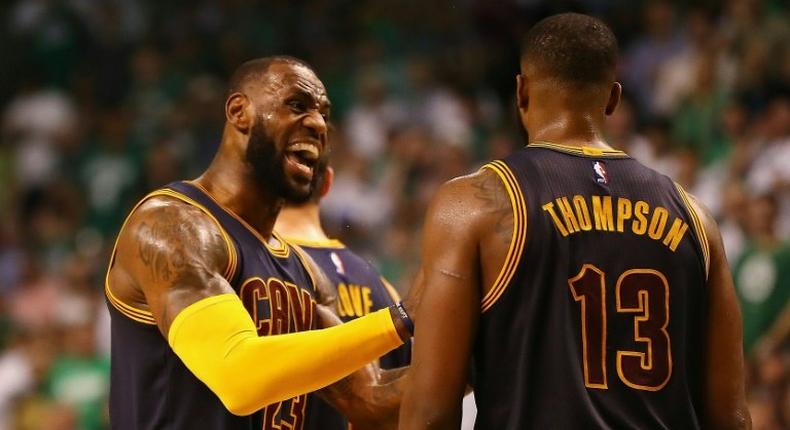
(303, 157)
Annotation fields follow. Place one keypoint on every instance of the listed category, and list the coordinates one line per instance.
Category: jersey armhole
(143, 316)
(300, 254)
(519, 235)
(393, 293)
(698, 227)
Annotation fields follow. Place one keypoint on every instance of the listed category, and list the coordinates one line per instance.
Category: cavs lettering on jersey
(360, 291)
(597, 317)
(152, 389)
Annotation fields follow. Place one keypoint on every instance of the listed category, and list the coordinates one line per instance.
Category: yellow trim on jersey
(699, 227)
(146, 317)
(300, 254)
(281, 251)
(519, 233)
(130, 312)
(232, 257)
(585, 151)
(390, 289)
(325, 243)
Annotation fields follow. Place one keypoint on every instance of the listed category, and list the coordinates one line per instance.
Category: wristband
(404, 316)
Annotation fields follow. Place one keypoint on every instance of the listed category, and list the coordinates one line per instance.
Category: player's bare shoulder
(478, 201)
(166, 243)
(164, 235)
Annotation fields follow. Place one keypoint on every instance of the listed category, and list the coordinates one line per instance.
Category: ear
(522, 93)
(614, 98)
(238, 111)
(329, 177)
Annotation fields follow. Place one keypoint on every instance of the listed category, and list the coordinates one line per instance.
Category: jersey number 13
(642, 293)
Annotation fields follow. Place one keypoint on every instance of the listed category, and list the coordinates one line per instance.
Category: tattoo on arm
(368, 403)
(490, 190)
(163, 263)
(179, 256)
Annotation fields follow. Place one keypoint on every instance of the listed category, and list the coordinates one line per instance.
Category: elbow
(738, 419)
(425, 419)
(743, 420)
(238, 406)
(241, 402)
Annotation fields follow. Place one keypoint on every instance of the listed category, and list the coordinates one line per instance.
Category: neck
(230, 183)
(570, 119)
(301, 223)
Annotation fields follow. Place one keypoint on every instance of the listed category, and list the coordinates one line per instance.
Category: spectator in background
(110, 172)
(374, 116)
(23, 367)
(643, 59)
(79, 376)
(35, 124)
(762, 273)
(420, 92)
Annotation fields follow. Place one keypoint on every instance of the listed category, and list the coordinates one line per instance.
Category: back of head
(576, 49)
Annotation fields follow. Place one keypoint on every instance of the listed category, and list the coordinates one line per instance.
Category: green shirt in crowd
(84, 384)
(762, 281)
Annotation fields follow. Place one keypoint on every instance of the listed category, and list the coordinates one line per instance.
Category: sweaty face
(288, 138)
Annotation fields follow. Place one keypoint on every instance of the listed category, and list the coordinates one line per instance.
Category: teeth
(307, 151)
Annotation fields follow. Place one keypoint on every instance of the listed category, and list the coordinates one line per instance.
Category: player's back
(360, 291)
(601, 321)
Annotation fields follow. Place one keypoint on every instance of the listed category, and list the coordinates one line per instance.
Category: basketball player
(360, 291)
(197, 276)
(591, 291)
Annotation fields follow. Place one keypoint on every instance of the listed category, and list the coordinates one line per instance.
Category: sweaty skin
(371, 397)
(725, 392)
(468, 229)
(171, 255)
(475, 213)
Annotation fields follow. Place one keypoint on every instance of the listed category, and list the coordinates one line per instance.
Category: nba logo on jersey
(338, 263)
(601, 176)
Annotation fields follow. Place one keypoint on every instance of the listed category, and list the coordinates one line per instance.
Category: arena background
(103, 100)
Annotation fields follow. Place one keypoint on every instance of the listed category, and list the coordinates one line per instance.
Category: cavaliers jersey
(152, 389)
(360, 291)
(597, 317)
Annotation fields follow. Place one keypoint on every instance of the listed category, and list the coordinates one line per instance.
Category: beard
(268, 168)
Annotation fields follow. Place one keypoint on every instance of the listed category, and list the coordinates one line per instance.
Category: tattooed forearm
(489, 189)
(369, 401)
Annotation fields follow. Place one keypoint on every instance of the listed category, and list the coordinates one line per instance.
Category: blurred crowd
(104, 100)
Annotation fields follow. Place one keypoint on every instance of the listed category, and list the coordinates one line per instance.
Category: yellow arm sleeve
(217, 341)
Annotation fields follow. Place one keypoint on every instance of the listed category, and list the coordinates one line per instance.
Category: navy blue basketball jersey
(597, 319)
(152, 389)
(360, 291)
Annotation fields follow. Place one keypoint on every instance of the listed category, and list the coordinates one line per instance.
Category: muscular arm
(462, 215)
(176, 255)
(369, 398)
(725, 399)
